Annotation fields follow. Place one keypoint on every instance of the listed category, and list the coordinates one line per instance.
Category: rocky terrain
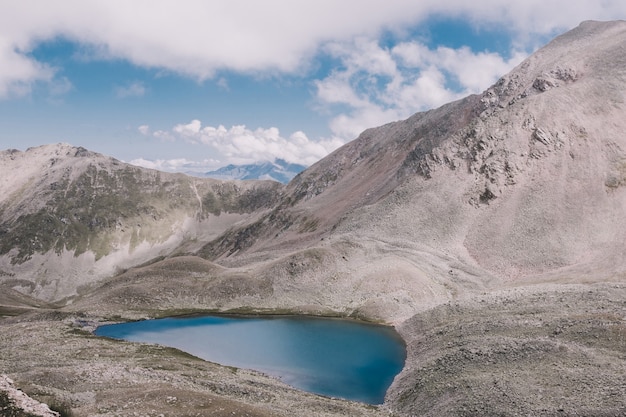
(70, 217)
(490, 232)
(14, 402)
(539, 351)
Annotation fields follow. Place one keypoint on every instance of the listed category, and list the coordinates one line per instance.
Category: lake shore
(533, 350)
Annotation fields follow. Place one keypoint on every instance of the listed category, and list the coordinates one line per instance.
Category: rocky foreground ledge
(14, 402)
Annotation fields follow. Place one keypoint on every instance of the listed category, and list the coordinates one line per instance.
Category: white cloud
(18, 72)
(197, 38)
(134, 89)
(240, 145)
(177, 164)
(473, 70)
(144, 130)
(189, 130)
(376, 85)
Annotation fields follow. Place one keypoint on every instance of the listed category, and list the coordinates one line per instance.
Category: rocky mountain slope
(70, 217)
(526, 178)
(489, 231)
(524, 183)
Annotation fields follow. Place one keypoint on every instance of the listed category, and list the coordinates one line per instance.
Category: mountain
(489, 231)
(70, 217)
(523, 182)
(279, 170)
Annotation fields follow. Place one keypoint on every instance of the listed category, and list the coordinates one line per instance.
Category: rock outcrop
(16, 402)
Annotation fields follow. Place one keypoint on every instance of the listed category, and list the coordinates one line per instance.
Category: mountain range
(489, 231)
(278, 170)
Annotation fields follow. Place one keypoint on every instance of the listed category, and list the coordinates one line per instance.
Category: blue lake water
(337, 358)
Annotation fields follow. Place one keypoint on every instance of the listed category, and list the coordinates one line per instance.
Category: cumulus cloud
(144, 130)
(376, 85)
(240, 145)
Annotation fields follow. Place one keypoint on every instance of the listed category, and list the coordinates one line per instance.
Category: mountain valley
(490, 232)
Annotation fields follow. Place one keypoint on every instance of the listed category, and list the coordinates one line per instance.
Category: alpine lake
(333, 357)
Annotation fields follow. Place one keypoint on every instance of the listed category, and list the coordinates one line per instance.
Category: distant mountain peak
(278, 170)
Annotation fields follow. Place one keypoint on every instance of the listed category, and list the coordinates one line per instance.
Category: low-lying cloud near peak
(378, 85)
(240, 145)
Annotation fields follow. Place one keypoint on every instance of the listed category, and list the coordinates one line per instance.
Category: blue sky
(192, 85)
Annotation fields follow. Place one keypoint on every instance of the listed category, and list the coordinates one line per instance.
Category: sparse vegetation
(229, 198)
(100, 206)
(62, 408)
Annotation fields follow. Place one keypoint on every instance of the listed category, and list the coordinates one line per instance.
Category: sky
(194, 85)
